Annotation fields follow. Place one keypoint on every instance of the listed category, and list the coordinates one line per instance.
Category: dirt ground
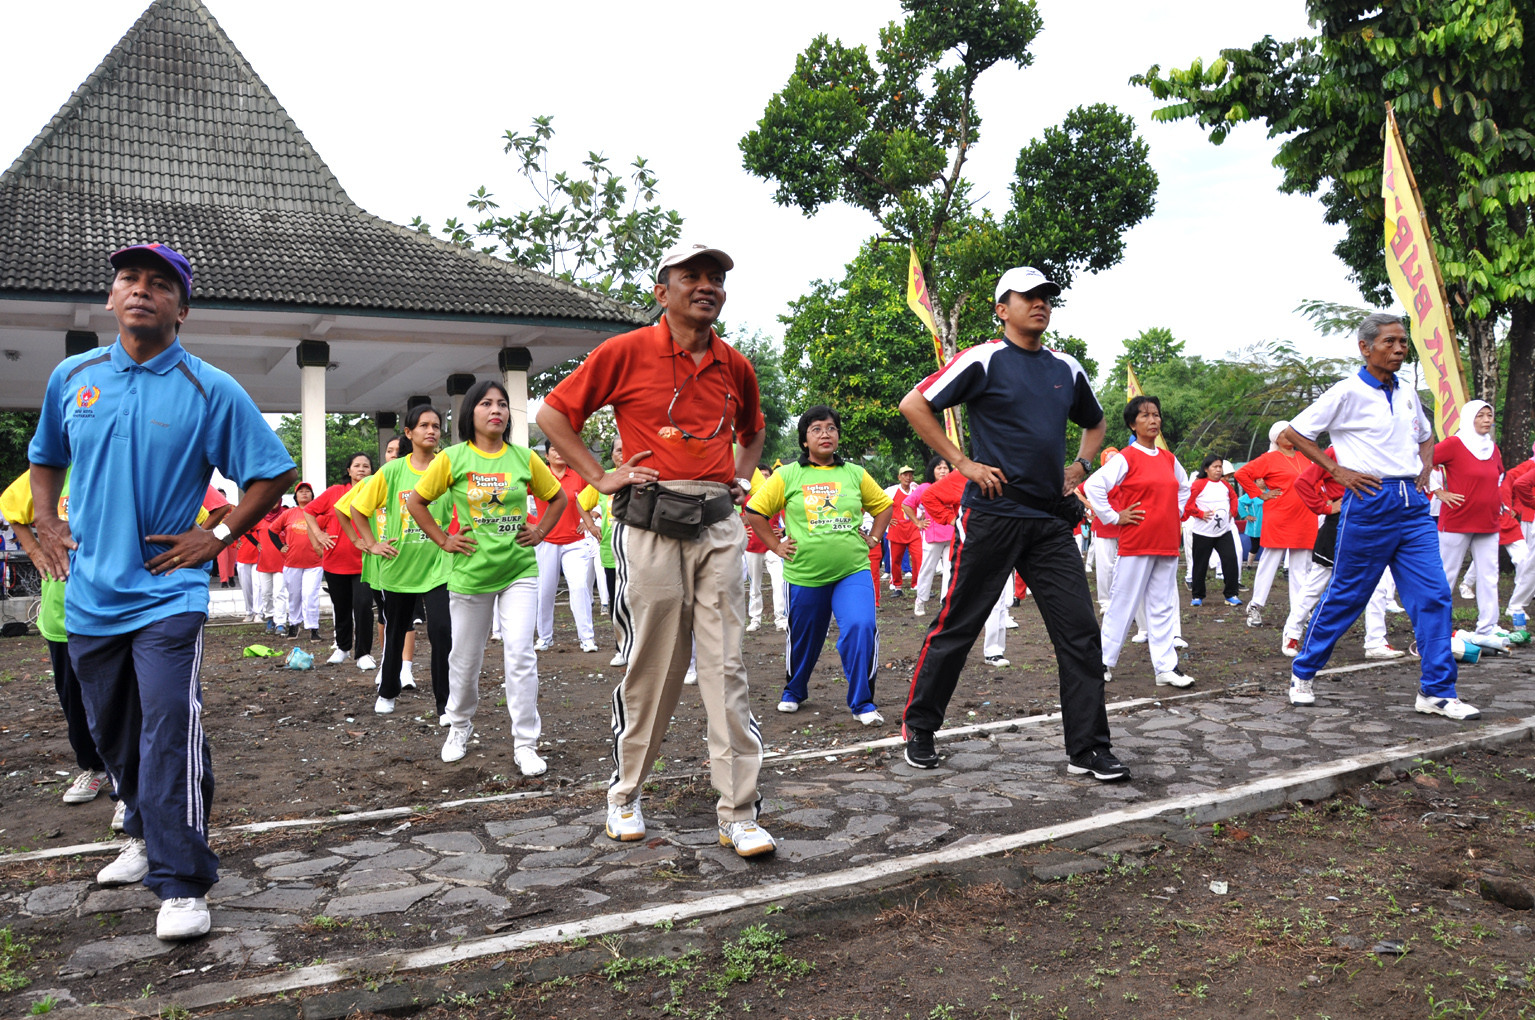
(1365, 905)
(302, 744)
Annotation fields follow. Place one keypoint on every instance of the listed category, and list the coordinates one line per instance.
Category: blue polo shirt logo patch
(85, 397)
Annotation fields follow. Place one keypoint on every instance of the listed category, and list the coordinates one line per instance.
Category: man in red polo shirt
(681, 397)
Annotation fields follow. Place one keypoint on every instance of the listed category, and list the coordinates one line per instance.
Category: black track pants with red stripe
(987, 548)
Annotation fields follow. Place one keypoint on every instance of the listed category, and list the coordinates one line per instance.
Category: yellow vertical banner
(1419, 285)
(1133, 390)
(921, 304)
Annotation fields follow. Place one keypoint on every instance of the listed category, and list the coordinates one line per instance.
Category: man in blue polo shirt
(1018, 396)
(143, 424)
(1384, 445)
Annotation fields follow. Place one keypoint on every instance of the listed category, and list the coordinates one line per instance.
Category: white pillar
(313, 359)
(514, 362)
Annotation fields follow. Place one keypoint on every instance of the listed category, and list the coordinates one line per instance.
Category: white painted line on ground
(1310, 782)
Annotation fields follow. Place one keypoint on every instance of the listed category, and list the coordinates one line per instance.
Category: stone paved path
(464, 873)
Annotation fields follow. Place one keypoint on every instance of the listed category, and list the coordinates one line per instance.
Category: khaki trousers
(672, 595)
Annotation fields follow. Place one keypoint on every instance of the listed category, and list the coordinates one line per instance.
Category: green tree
(16, 429)
(891, 135)
(779, 396)
(592, 227)
(345, 435)
(1459, 75)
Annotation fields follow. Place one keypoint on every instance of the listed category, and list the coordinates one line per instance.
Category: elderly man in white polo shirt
(1380, 431)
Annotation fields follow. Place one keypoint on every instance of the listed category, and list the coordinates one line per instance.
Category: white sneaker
(1384, 652)
(1008, 623)
(528, 762)
(588, 646)
(366, 663)
(869, 718)
(1255, 616)
(618, 660)
(457, 744)
(919, 609)
(542, 646)
(1300, 691)
(1108, 676)
(692, 678)
(754, 626)
(407, 678)
(1394, 607)
(132, 865)
(442, 720)
(1467, 593)
(1140, 638)
(1452, 708)
(337, 656)
(748, 838)
(788, 706)
(86, 787)
(625, 823)
(383, 706)
(997, 661)
(1290, 647)
(1174, 677)
(182, 917)
(781, 624)
(119, 816)
(1178, 642)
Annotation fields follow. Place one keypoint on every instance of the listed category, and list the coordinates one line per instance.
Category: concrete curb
(1310, 783)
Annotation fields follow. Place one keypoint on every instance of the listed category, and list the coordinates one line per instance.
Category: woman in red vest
(1289, 526)
(1472, 506)
(1143, 491)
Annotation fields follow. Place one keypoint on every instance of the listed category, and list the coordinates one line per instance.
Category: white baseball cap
(684, 252)
(1024, 279)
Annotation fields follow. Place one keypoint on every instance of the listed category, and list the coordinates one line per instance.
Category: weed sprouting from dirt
(14, 951)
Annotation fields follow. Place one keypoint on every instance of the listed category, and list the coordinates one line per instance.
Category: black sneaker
(1100, 764)
(292, 630)
(314, 634)
(920, 752)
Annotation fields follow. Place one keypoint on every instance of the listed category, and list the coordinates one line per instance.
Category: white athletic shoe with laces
(457, 744)
(407, 678)
(588, 646)
(869, 718)
(625, 822)
(1254, 614)
(1467, 593)
(1384, 652)
(336, 656)
(383, 705)
(754, 626)
(618, 660)
(1450, 708)
(528, 762)
(1300, 692)
(1009, 623)
(1108, 676)
(748, 838)
(86, 787)
(1140, 638)
(132, 865)
(119, 816)
(1178, 641)
(1174, 677)
(692, 678)
(182, 917)
(366, 663)
(781, 624)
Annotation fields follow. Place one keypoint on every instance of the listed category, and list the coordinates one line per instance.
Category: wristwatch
(1087, 465)
(222, 532)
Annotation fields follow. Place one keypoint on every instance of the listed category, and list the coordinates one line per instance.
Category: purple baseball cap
(172, 258)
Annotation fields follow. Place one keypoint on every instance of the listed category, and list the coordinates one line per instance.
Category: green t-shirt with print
(490, 493)
(823, 511)
(422, 565)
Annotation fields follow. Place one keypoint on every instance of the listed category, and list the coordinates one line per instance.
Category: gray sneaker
(1254, 614)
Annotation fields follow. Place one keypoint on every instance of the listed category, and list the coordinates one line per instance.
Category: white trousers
(303, 584)
(272, 597)
(1268, 566)
(1484, 559)
(516, 607)
(574, 560)
(246, 572)
(755, 563)
(1105, 553)
(1154, 580)
(1374, 610)
(935, 557)
(1524, 574)
(994, 642)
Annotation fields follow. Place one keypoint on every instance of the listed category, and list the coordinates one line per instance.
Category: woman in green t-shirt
(409, 569)
(494, 570)
(826, 559)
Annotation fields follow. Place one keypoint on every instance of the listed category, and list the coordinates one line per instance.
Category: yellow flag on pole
(1415, 276)
(921, 304)
(1133, 390)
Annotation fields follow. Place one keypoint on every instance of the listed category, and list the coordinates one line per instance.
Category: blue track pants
(144, 703)
(851, 601)
(1389, 529)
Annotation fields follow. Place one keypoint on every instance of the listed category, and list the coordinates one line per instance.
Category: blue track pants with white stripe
(1391, 528)
(851, 600)
(144, 702)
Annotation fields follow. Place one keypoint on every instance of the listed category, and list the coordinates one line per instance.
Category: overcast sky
(406, 102)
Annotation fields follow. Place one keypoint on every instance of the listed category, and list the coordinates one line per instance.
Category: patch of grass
(43, 1005)
(14, 950)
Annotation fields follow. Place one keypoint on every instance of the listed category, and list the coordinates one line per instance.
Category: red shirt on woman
(1287, 522)
(292, 530)
(1477, 481)
(1154, 479)
(342, 557)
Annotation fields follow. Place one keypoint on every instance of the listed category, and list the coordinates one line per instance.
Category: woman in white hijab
(1471, 506)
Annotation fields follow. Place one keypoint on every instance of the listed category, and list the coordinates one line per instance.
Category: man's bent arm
(557, 429)
(929, 429)
(1358, 482)
(53, 538)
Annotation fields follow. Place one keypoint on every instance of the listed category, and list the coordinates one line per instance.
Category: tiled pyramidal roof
(175, 138)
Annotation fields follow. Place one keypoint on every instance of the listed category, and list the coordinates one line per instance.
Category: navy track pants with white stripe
(851, 600)
(144, 702)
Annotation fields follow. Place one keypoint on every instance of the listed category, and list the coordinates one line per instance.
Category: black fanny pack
(1067, 508)
(682, 515)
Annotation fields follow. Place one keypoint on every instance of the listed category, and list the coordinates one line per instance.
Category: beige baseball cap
(684, 252)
